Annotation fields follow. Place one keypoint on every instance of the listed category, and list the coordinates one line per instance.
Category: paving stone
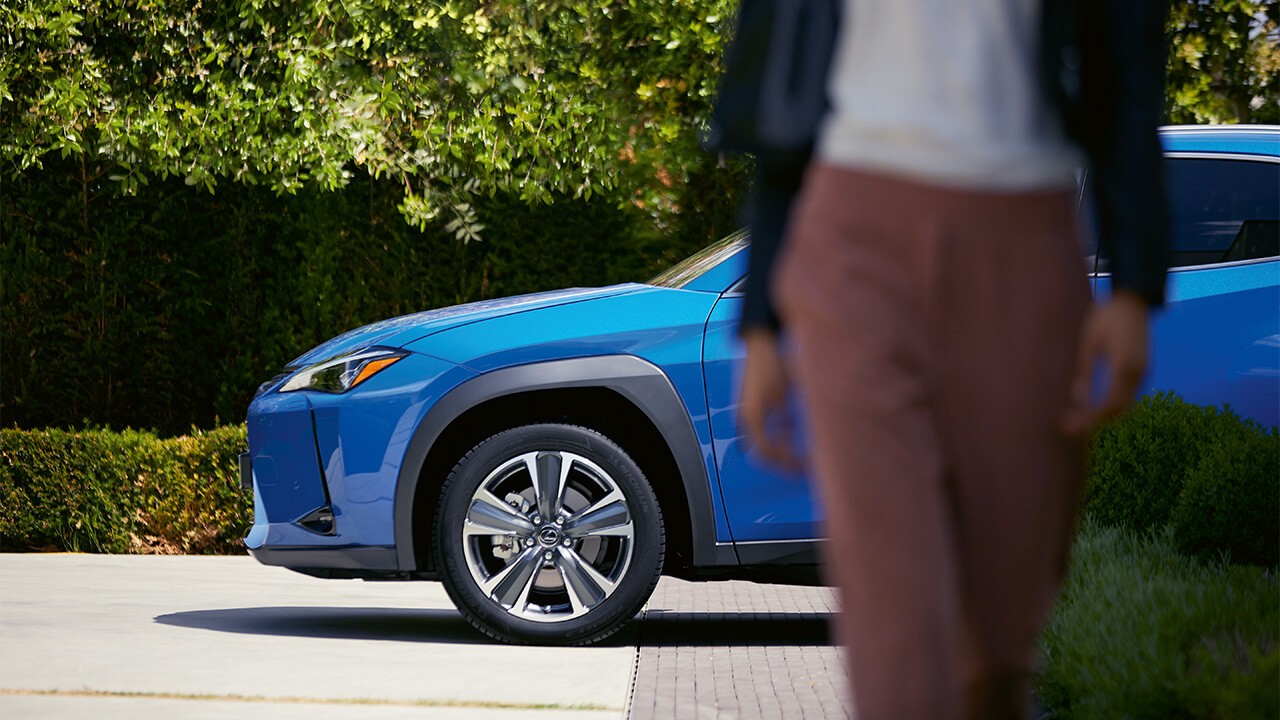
(735, 650)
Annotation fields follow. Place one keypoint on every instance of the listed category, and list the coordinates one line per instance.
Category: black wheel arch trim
(639, 381)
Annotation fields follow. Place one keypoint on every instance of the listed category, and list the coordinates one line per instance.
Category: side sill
(781, 562)
(780, 552)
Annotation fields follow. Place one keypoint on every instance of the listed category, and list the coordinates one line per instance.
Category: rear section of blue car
(1217, 340)
(549, 456)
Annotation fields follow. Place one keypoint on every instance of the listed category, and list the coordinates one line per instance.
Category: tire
(548, 534)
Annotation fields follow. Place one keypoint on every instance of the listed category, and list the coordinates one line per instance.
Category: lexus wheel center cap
(549, 536)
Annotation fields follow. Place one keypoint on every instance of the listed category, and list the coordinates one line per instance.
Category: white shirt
(945, 92)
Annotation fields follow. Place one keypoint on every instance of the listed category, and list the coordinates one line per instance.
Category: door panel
(1217, 339)
(762, 502)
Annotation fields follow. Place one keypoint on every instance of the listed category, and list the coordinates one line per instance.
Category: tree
(1224, 61)
(542, 98)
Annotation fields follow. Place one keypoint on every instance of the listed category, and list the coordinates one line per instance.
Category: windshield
(692, 267)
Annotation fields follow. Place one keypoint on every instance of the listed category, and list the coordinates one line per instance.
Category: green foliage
(564, 132)
(456, 99)
(1206, 471)
(1162, 615)
(1224, 61)
(176, 304)
(99, 491)
(1139, 463)
(1231, 500)
(1142, 631)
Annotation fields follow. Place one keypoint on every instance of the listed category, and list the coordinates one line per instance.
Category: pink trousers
(937, 331)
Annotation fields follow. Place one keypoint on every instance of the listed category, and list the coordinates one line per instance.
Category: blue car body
(348, 451)
(346, 484)
(1217, 340)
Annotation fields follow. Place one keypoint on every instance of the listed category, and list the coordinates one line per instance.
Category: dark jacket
(1102, 68)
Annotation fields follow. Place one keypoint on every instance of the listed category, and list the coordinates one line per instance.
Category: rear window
(1223, 210)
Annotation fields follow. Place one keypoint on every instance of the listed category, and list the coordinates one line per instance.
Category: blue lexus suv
(548, 457)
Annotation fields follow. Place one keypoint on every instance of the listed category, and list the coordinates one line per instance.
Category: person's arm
(777, 182)
(1122, 76)
(765, 382)
(1123, 80)
(765, 379)
(1114, 333)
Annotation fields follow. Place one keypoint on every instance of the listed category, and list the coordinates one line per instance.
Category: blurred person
(932, 280)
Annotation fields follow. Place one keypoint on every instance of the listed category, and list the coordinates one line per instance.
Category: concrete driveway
(143, 637)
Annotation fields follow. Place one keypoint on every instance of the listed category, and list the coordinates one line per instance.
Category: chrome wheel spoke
(490, 516)
(549, 471)
(576, 606)
(511, 586)
(608, 516)
(623, 529)
(584, 583)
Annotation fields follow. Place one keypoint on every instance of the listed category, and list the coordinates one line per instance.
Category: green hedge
(1142, 631)
(127, 492)
(1212, 476)
(167, 309)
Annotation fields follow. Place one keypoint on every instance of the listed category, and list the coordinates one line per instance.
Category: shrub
(1230, 502)
(70, 491)
(100, 491)
(1140, 463)
(1210, 474)
(1142, 631)
(193, 502)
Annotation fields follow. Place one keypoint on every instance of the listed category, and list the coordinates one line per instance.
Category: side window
(1223, 210)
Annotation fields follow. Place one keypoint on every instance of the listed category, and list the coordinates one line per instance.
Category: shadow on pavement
(334, 622)
(659, 627)
(666, 628)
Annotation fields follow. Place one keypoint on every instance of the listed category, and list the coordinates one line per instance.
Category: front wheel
(548, 534)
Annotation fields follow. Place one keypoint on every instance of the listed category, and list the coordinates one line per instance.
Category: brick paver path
(730, 650)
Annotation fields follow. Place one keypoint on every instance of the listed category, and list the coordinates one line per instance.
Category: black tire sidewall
(648, 544)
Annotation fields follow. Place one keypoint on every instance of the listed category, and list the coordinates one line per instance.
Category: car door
(763, 503)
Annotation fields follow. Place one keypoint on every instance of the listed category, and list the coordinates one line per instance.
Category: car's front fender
(640, 382)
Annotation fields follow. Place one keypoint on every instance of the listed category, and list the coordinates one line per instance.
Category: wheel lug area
(536, 520)
(568, 542)
(529, 542)
(560, 520)
(548, 555)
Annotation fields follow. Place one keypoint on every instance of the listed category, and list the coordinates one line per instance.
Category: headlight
(340, 374)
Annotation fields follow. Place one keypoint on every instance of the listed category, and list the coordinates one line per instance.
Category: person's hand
(1116, 334)
(764, 395)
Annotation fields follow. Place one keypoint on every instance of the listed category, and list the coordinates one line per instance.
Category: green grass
(1142, 631)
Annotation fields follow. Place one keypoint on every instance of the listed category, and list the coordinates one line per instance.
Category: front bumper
(335, 562)
(323, 468)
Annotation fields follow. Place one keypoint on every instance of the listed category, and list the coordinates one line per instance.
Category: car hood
(400, 331)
